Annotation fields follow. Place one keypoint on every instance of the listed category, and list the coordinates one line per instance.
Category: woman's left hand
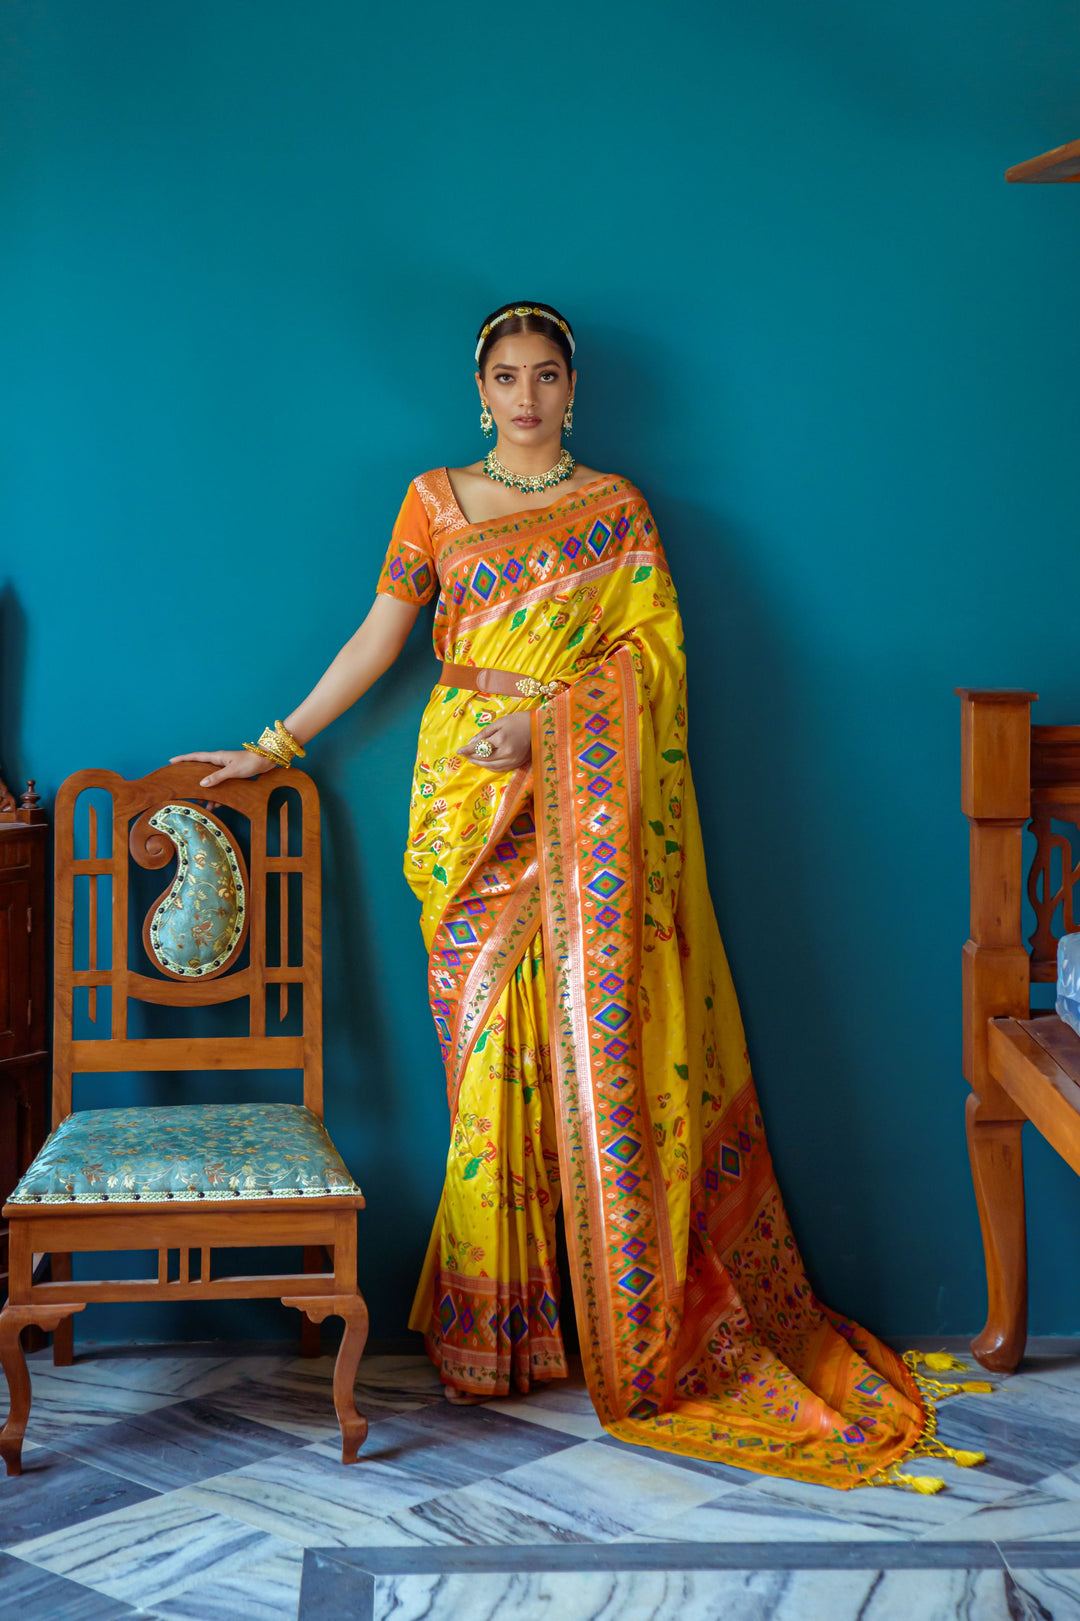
(511, 743)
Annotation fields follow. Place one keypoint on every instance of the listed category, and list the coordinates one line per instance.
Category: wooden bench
(1021, 1064)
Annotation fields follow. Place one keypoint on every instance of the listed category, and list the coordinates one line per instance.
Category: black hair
(547, 324)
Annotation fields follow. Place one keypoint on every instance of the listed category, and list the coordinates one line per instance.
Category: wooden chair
(1021, 1064)
(228, 1176)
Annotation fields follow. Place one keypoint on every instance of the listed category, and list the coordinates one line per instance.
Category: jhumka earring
(487, 421)
(568, 416)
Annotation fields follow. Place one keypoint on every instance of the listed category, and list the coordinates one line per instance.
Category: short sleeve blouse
(409, 571)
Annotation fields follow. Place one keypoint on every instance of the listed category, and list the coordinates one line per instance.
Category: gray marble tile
(411, 1376)
(310, 1498)
(60, 1406)
(55, 1491)
(453, 1446)
(302, 1403)
(151, 1551)
(167, 1374)
(1028, 1516)
(32, 1594)
(1042, 1398)
(266, 1591)
(696, 1596)
(174, 1446)
(1020, 1443)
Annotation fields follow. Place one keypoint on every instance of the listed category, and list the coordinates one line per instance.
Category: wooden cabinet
(24, 1057)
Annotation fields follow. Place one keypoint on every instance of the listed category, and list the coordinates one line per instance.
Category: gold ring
(483, 749)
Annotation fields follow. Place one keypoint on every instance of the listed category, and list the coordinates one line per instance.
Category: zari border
(591, 865)
(562, 582)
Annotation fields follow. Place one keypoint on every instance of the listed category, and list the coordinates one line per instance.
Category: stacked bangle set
(277, 744)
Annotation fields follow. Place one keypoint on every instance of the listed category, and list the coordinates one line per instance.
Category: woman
(592, 1039)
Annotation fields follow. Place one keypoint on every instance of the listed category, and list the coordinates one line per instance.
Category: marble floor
(197, 1484)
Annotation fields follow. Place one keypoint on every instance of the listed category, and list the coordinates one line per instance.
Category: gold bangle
(285, 737)
(267, 754)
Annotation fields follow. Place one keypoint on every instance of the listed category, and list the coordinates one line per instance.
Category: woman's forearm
(363, 659)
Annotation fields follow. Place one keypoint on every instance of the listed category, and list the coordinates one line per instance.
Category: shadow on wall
(12, 668)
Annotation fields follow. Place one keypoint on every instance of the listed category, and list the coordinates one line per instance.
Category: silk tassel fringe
(928, 1446)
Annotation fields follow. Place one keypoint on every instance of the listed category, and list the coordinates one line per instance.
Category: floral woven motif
(193, 1151)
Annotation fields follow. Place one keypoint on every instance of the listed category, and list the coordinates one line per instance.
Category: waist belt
(506, 683)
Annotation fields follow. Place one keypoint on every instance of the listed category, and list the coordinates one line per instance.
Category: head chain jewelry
(525, 309)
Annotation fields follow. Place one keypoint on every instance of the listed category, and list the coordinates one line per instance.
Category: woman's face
(526, 384)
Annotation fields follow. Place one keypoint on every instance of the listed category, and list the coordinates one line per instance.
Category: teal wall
(246, 244)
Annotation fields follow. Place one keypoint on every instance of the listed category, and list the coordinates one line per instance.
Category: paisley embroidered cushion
(1068, 980)
(198, 924)
(194, 1151)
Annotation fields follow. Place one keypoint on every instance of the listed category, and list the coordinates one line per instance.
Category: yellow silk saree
(592, 1039)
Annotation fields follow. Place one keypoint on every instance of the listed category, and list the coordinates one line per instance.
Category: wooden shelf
(1062, 164)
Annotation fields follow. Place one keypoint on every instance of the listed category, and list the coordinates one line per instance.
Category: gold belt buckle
(530, 687)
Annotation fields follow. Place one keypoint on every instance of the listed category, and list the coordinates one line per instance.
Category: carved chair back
(240, 919)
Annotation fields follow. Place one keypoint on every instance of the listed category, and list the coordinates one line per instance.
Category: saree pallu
(593, 1043)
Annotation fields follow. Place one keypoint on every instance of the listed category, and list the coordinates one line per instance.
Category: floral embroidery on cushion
(197, 926)
(190, 1151)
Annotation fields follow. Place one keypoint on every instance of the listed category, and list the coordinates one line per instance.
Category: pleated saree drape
(592, 1039)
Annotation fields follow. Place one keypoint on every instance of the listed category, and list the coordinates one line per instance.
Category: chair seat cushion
(193, 1151)
(1068, 980)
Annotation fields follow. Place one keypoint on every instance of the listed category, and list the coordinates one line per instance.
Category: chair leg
(63, 1349)
(353, 1311)
(311, 1332)
(13, 1319)
(997, 1170)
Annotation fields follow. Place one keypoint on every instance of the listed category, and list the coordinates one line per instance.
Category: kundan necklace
(529, 483)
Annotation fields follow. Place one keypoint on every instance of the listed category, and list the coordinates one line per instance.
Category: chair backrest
(205, 940)
(1014, 774)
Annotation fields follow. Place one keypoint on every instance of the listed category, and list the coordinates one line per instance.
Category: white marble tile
(151, 1551)
(311, 1498)
(266, 1591)
(539, 1410)
(826, 1595)
(896, 1508)
(486, 1512)
(1066, 1483)
(178, 1376)
(1030, 1515)
(741, 1514)
(1058, 1591)
(58, 1406)
(598, 1491)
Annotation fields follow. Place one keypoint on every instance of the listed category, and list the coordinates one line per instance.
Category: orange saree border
(616, 1216)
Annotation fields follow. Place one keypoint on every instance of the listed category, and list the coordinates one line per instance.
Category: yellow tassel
(977, 1387)
(939, 1360)
(926, 1484)
(968, 1460)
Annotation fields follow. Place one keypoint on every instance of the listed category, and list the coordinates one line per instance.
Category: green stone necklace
(530, 484)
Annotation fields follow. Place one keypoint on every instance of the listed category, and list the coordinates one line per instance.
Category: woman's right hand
(230, 763)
